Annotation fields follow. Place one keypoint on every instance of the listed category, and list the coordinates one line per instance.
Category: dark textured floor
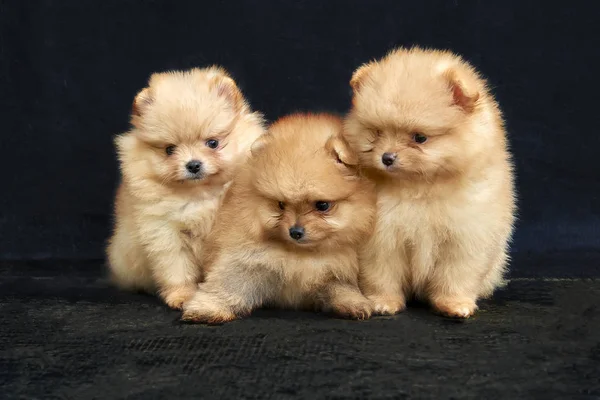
(71, 336)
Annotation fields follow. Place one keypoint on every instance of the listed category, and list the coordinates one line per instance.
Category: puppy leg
(209, 306)
(230, 292)
(381, 278)
(494, 278)
(176, 275)
(127, 262)
(456, 281)
(347, 301)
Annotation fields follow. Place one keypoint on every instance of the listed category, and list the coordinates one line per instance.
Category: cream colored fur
(162, 215)
(446, 206)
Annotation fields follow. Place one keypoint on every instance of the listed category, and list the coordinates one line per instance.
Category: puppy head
(184, 121)
(308, 189)
(412, 114)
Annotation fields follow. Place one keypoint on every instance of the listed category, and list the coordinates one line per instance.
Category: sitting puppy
(288, 231)
(431, 137)
(190, 131)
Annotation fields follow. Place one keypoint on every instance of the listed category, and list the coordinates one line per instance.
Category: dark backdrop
(69, 70)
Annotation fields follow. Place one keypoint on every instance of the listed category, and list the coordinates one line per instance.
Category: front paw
(387, 304)
(207, 309)
(175, 296)
(455, 307)
(359, 308)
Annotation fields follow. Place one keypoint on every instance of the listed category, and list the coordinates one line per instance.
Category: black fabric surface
(75, 337)
(68, 72)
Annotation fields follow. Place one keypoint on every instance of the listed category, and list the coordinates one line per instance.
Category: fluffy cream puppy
(431, 136)
(191, 130)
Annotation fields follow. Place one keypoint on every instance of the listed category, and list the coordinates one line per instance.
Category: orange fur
(445, 206)
(252, 260)
(163, 211)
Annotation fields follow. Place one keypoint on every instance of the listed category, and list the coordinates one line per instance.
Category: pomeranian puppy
(288, 231)
(190, 131)
(431, 136)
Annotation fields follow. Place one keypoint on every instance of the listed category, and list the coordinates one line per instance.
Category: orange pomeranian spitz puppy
(288, 231)
(430, 135)
(190, 131)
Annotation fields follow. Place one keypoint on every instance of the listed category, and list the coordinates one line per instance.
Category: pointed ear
(359, 76)
(141, 102)
(225, 87)
(259, 144)
(464, 89)
(341, 151)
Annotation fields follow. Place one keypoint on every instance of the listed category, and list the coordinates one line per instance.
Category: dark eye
(377, 132)
(170, 150)
(281, 205)
(212, 143)
(322, 206)
(419, 138)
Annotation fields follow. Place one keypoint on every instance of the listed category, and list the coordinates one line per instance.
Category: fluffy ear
(341, 151)
(464, 89)
(141, 102)
(259, 144)
(359, 76)
(225, 87)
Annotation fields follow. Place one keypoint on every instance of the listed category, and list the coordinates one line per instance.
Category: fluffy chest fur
(195, 217)
(303, 279)
(416, 220)
(298, 278)
(176, 221)
(424, 231)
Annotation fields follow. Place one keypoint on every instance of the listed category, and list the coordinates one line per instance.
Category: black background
(69, 70)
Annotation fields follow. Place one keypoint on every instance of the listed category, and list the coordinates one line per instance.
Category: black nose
(193, 166)
(296, 232)
(388, 158)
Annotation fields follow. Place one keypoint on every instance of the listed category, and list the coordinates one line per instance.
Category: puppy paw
(356, 308)
(455, 307)
(387, 304)
(177, 295)
(204, 308)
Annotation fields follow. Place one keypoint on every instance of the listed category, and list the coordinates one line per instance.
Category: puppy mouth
(192, 177)
(301, 242)
(390, 168)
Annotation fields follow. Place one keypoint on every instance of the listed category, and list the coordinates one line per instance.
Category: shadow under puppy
(431, 136)
(288, 231)
(191, 130)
